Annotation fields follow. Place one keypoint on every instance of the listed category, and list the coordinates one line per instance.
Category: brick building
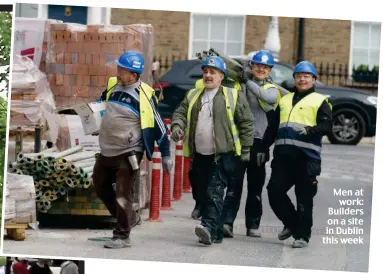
(183, 33)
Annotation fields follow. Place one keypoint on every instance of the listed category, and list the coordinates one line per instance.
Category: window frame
(191, 30)
(352, 38)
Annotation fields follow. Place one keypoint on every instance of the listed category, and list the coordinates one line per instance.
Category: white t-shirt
(204, 138)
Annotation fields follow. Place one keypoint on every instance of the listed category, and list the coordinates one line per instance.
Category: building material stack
(80, 58)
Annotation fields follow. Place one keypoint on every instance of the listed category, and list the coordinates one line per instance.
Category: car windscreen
(184, 70)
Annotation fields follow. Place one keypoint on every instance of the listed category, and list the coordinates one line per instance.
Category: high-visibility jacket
(231, 96)
(265, 106)
(152, 126)
(199, 84)
(304, 113)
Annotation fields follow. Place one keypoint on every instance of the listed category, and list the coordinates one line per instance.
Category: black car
(354, 110)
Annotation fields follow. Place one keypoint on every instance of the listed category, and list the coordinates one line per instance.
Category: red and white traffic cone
(186, 181)
(154, 213)
(177, 190)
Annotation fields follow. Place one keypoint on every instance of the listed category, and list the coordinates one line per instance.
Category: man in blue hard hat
(130, 126)
(216, 123)
(262, 96)
(305, 117)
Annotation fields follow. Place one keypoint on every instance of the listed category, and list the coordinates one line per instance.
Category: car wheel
(349, 127)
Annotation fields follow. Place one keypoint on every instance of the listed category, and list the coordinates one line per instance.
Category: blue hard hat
(131, 60)
(305, 67)
(263, 57)
(215, 62)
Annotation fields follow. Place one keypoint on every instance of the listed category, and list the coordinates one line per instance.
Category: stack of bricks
(44, 48)
(80, 58)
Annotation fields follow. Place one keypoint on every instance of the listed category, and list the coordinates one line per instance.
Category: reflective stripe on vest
(265, 106)
(303, 114)
(231, 96)
(146, 110)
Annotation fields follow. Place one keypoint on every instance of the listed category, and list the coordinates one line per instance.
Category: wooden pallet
(16, 231)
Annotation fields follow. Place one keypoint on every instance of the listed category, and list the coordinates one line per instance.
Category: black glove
(244, 76)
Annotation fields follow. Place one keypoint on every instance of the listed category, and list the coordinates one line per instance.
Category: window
(225, 33)
(365, 44)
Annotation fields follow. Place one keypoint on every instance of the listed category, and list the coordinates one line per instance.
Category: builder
(262, 96)
(130, 126)
(305, 117)
(217, 123)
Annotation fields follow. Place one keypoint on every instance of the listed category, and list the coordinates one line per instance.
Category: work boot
(116, 243)
(299, 243)
(196, 213)
(137, 221)
(227, 231)
(253, 233)
(285, 234)
(203, 234)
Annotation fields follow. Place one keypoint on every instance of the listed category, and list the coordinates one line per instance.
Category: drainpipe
(301, 24)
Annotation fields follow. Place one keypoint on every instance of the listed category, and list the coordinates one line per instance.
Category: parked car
(354, 110)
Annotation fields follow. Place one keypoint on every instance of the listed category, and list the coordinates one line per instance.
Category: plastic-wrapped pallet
(21, 199)
(80, 58)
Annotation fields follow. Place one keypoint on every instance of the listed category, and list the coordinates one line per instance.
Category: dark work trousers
(200, 167)
(301, 172)
(219, 175)
(255, 181)
(117, 169)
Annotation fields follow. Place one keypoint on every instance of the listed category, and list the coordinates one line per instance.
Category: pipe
(301, 25)
(80, 156)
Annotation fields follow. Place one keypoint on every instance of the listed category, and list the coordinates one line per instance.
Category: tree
(5, 45)
(5, 52)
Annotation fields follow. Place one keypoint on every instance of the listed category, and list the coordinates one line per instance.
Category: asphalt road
(173, 239)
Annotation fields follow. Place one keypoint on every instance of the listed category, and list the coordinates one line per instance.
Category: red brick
(59, 79)
(78, 37)
(80, 91)
(97, 70)
(101, 81)
(71, 69)
(52, 79)
(87, 37)
(80, 80)
(86, 80)
(69, 91)
(103, 38)
(67, 35)
(68, 58)
(59, 47)
(102, 59)
(60, 58)
(94, 36)
(93, 81)
(76, 47)
(111, 70)
(83, 70)
(88, 58)
(81, 58)
(58, 90)
(67, 81)
(92, 47)
(96, 59)
(59, 26)
(110, 37)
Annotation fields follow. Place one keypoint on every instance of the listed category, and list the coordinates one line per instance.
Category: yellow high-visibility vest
(231, 96)
(303, 114)
(146, 111)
